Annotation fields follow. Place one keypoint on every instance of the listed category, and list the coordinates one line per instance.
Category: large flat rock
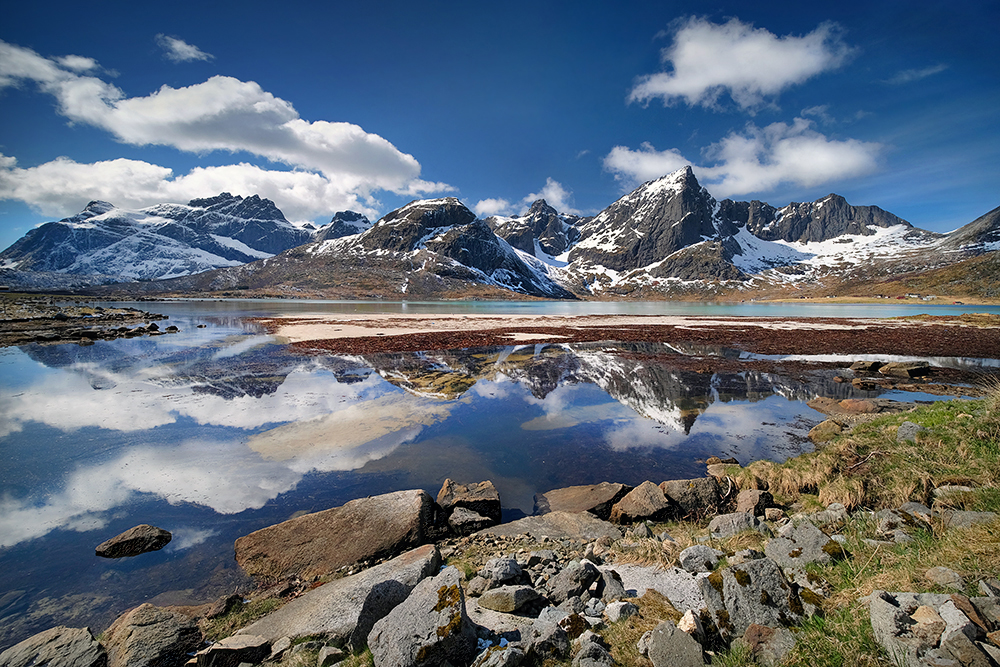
(323, 542)
(598, 499)
(677, 585)
(558, 526)
(56, 647)
(348, 608)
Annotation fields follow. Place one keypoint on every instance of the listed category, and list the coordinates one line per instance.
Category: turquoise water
(217, 431)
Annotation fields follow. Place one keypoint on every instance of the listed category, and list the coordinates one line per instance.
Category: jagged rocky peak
(980, 235)
(97, 207)
(821, 220)
(251, 208)
(344, 223)
(554, 232)
(403, 229)
(656, 219)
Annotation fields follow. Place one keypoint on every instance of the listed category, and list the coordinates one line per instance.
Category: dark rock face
(555, 232)
(977, 236)
(653, 221)
(821, 220)
(402, 230)
(481, 498)
(134, 541)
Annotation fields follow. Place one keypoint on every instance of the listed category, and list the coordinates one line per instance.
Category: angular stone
(150, 635)
(501, 570)
(645, 502)
(481, 498)
(500, 656)
(990, 587)
(573, 580)
(906, 369)
(699, 558)
(965, 519)
(559, 526)
(134, 541)
(696, 497)
(617, 611)
(801, 543)
(670, 647)
(498, 624)
(610, 586)
(768, 645)
(908, 431)
(598, 499)
(927, 628)
(547, 640)
(234, 650)
(677, 585)
(754, 501)
(346, 609)
(945, 577)
(430, 627)
(727, 525)
(56, 647)
(691, 624)
(752, 592)
(323, 542)
(592, 654)
(467, 522)
(508, 599)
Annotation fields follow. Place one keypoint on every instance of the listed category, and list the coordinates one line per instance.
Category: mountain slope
(161, 241)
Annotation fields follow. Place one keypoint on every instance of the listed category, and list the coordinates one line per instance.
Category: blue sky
(331, 106)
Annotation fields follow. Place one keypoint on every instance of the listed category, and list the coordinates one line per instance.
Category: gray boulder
(150, 635)
(768, 645)
(645, 502)
(700, 558)
(500, 656)
(965, 519)
(617, 611)
(598, 499)
(593, 654)
(559, 526)
(466, 522)
(610, 586)
(905, 369)
(134, 541)
(500, 571)
(677, 585)
(572, 581)
(753, 592)
(908, 431)
(801, 543)
(754, 501)
(508, 599)
(430, 627)
(56, 647)
(696, 498)
(548, 640)
(323, 542)
(670, 647)
(233, 651)
(481, 498)
(727, 525)
(345, 610)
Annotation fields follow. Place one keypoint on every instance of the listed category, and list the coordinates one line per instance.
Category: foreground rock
(482, 499)
(56, 647)
(134, 541)
(598, 499)
(150, 635)
(234, 651)
(429, 629)
(558, 525)
(323, 542)
(344, 611)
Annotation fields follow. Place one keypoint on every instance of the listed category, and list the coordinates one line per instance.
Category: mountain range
(668, 238)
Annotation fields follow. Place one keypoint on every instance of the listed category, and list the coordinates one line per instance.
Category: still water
(220, 430)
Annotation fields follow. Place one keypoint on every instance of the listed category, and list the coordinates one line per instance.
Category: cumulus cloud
(757, 159)
(488, 207)
(340, 160)
(178, 51)
(751, 64)
(555, 196)
(911, 75)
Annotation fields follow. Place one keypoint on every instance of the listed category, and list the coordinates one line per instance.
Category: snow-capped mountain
(542, 231)
(344, 223)
(161, 241)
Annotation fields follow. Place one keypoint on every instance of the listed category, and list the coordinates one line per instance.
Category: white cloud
(911, 75)
(343, 162)
(750, 63)
(179, 51)
(63, 187)
(555, 195)
(488, 207)
(756, 160)
(644, 164)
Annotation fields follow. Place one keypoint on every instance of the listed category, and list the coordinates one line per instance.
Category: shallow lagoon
(218, 431)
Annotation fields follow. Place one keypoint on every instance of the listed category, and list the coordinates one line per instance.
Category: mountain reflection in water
(219, 432)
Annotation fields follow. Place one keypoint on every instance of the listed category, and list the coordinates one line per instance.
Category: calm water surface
(218, 431)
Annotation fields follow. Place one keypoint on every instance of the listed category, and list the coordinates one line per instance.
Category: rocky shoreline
(405, 579)
(36, 319)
